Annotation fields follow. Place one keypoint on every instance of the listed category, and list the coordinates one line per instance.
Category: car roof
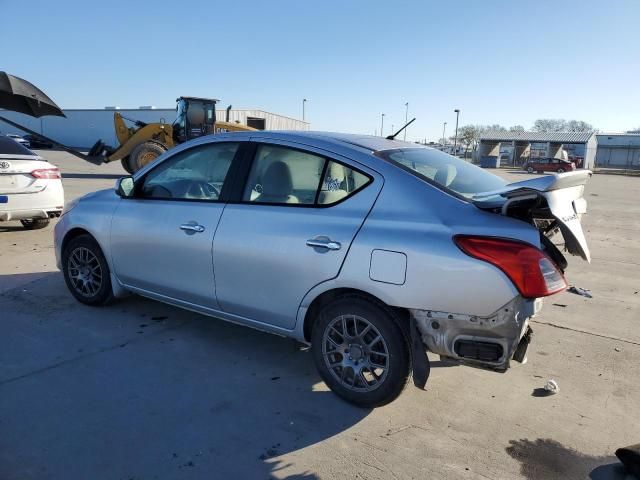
(9, 148)
(367, 142)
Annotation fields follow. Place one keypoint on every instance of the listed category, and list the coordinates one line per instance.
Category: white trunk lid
(15, 174)
(558, 198)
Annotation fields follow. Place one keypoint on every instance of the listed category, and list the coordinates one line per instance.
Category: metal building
(82, 127)
(618, 150)
(515, 148)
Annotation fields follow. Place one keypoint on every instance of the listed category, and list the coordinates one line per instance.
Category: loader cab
(195, 117)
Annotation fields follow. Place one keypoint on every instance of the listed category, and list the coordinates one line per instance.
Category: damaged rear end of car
(552, 204)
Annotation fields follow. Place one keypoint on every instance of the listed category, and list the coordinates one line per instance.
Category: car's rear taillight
(532, 272)
(49, 173)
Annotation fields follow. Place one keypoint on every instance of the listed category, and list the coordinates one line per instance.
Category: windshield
(452, 173)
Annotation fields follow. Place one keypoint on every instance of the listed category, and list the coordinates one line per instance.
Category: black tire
(83, 291)
(560, 170)
(126, 166)
(144, 154)
(35, 223)
(530, 170)
(385, 324)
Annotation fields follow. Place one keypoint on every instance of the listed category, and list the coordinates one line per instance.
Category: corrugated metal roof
(557, 137)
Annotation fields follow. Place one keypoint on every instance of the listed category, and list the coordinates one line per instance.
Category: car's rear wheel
(86, 271)
(530, 169)
(360, 351)
(35, 223)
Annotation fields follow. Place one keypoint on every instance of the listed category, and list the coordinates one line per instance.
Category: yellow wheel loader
(143, 142)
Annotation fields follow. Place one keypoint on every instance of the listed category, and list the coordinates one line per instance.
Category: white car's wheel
(35, 223)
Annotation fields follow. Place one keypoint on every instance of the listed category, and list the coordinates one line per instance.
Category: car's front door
(297, 217)
(161, 239)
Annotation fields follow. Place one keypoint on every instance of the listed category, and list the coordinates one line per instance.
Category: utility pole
(304, 101)
(444, 129)
(406, 119)
(382, 126)
(455, 141)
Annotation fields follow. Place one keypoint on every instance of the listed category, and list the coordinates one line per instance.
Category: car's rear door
(161, 239)
(296, 216)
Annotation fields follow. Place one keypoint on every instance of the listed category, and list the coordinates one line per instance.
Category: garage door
(613, 157)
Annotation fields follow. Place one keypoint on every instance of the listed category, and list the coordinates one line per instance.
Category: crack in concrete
(608, 337)
(91, 354)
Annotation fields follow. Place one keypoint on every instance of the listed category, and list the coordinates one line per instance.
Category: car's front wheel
(560, 170)
(35, 223)
(86, 271)
(360, 351)
(530, 169)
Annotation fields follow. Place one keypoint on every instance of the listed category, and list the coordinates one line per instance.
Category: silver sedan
(371, 250)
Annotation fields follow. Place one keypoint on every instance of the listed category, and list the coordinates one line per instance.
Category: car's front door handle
(190, 227)
(323, 242)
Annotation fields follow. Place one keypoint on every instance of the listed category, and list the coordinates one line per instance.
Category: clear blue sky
(507, 62)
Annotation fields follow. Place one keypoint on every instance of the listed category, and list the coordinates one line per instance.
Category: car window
(195, 174)
(283, 175)
(339, 182)
(450, 173)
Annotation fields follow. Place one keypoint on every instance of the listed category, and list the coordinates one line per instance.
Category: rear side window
(281, 175)
(339, 182)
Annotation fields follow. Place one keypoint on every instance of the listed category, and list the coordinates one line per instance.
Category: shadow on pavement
(144, 390)
(12, 226)
(546, 458)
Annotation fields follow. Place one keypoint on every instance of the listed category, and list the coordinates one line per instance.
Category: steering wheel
(202, 190)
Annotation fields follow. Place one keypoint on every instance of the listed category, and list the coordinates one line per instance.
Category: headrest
(276, 181)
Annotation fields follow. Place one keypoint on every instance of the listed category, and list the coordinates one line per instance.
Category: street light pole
(444, 129)
(382, 126)
(455, 141)
(406, 119)
(304, 100)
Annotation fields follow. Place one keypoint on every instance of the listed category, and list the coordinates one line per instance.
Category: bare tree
(579, 126)
(561, 125)
(468, 136)
(516, 128)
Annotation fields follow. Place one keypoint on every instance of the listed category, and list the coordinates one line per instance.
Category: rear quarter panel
(419, 220)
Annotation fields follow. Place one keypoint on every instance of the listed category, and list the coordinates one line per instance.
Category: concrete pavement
(141, 390)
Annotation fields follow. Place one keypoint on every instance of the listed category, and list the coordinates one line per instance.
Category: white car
(30, 187)
(21, 140)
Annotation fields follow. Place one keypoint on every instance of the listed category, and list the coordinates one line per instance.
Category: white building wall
(82, 128)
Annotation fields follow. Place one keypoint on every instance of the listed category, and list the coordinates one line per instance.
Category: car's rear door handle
(190, 227)
(323, 242)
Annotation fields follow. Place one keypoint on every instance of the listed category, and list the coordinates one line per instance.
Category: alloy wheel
(84, 271)
(355, 353)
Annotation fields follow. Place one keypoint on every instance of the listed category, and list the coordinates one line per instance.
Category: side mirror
(125, 187)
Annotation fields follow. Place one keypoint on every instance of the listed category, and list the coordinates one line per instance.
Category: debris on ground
(560, 305)
(616, 349)
(552, 387)
(159, 319)
(580, 291)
